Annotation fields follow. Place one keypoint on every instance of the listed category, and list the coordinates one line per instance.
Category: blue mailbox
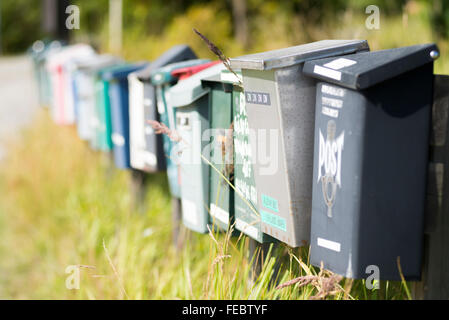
(119, 100)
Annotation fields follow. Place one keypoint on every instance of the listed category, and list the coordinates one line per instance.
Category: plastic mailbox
(163, 79)
(371, 156)
(146, 152)
(221, 106)
(101, 118)
(280, 102)
(40, 52)
(119, 102)
(84, 92)
(191, 101)
(62, 107)
(247, 218)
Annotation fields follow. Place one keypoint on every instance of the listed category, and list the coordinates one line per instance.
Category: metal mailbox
(191, 101)
(62, 108)
(279, 102)
(146, 152)
(119, 102)
(84, 92)
(221, 195)
(370, 160)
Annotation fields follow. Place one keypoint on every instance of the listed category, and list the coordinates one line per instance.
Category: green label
(273, 220)
(270, 203)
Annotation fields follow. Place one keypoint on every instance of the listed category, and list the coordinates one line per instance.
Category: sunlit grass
(63, 204)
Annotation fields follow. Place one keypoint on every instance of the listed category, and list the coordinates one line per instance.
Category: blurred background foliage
(237, 26)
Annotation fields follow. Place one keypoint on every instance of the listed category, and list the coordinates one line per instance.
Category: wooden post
(115, 26)
(434, 283)
(53, 18)
(178, 234)
(138, 190)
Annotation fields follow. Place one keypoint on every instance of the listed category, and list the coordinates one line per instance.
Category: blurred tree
(440, 17)
(54, 18)
(20, 24)
(240, 21)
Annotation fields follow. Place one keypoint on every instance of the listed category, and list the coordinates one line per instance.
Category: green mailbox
(191, 102)
(101, 121)
(163, 79)
(221, 194)
(246, 214)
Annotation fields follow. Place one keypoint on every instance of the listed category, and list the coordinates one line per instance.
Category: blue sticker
(270, 203)
(273, 220)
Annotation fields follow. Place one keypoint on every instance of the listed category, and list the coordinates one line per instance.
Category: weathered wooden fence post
(138, 190)
(434, 283)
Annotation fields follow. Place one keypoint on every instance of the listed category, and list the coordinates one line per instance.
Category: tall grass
(62, 204)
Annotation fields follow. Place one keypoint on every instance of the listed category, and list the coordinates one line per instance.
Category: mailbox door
(118, 92)
(84, 91)
(247, 219)
(137, 130)
(102, 122)
(191, 121)
(152, 141)
(221, 195)
(69, 106)
(370, 176)
(280, 111)
(167, 117)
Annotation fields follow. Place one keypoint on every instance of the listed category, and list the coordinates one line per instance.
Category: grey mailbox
(370, 161)
(280, 104)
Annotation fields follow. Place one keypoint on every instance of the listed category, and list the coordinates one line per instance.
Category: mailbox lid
(60, 56)
(286, 57)
(177, 53)
(189, 90)
(364, 70)
(97, 62)
(122, 71)
(164, 75)
(225, 78)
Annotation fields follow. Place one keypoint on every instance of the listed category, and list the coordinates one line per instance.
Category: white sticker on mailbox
(150, 159)
(329, 112)
(327, 72)
(219, 213)
(118, 139)
(328, 244)
(340, 63)
(189, 212)
(246, 228)
(333, 91)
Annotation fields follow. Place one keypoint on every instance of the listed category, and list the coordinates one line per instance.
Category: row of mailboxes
(350, 172)
(323, 144)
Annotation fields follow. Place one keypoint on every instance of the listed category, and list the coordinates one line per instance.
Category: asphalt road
(18, 97)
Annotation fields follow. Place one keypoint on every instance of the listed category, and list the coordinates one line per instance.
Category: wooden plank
(434, 283)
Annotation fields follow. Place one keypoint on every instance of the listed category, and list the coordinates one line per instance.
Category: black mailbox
(372, 125)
